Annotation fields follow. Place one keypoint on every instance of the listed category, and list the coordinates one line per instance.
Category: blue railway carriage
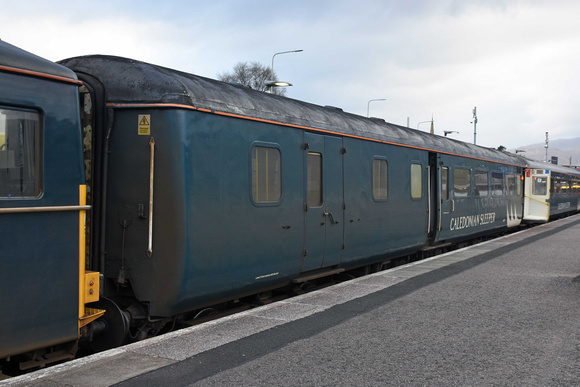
(42, 277)
(550, 191)
(477, 195)
(210, 191)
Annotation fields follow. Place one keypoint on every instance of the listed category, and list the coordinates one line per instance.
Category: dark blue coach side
(215, 191)
(41, 186)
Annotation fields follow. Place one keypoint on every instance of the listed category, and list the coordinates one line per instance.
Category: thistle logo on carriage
(468, 221)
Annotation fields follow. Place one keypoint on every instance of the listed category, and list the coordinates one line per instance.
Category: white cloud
(515, 60)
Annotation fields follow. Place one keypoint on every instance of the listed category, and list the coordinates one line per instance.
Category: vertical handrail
(151, 169)
(440, 199)
(82, 249)
(429, 199)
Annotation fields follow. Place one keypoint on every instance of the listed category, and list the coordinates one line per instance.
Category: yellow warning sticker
(144, 124)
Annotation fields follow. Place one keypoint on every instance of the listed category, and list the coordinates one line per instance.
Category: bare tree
(253, 75)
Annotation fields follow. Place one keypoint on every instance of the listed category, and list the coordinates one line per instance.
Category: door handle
(329, 214)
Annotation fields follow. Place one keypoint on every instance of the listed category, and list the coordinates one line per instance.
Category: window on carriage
(555, 184)
(566, 186)
(380, 175)
(20, 154)
(511, 184)
(444, 183)
(314, 179)
(416, 181)
(481, 183)
(540, 185)
(562, 186)
(266, 174)
(461, 182)
(497, 183)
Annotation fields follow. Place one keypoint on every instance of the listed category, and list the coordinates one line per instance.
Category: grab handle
(151, 169)
(329, 214)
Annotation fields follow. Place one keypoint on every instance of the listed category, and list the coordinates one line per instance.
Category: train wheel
(115, 330)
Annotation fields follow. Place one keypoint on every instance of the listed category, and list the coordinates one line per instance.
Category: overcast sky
(517, 61)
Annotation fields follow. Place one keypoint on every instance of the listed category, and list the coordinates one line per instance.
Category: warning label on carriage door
(144, 124)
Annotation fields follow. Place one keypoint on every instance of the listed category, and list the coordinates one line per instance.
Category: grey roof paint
(130, 81)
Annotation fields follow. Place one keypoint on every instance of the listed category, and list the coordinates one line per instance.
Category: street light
(369, 104)
(275, 83)
(546, 146)
(422, 122)
(474, 122)
(446, 132)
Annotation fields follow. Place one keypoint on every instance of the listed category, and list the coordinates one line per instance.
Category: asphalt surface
(506, 312)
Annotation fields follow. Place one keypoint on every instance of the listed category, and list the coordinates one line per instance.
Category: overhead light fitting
(277, 83)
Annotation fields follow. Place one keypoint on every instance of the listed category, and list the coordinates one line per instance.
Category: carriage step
(312, 276)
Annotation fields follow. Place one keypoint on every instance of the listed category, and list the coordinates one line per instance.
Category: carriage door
(323, 198)
(445, 202)
(432, 192)
(537, 194)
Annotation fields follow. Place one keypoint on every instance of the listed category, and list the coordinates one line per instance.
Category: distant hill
(567, 151)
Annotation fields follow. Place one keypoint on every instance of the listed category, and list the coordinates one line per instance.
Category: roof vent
(333, 108)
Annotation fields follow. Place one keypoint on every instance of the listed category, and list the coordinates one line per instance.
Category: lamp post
(274, 82)
(369, 104)
(546, 146)
(422, 122)
(474, 125)
(446, 132)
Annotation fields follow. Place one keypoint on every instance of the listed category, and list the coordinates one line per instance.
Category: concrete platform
(504, 312)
